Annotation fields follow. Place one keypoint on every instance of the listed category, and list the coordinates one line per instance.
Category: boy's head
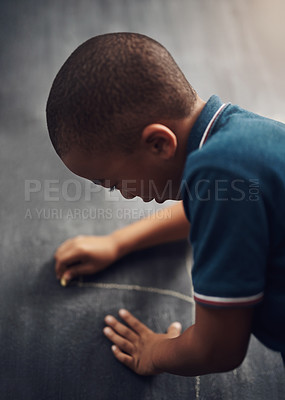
(106, 99)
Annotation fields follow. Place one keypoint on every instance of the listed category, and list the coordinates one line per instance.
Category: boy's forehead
(95, 167)
(82, 164)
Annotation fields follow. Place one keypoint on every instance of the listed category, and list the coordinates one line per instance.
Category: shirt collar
(198, 129)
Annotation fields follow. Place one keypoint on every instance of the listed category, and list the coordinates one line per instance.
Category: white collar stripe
(207, 130)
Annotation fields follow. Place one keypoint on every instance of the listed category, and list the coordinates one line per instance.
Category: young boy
(122, 114)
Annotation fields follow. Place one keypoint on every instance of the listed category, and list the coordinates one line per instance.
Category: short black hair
(110, 88)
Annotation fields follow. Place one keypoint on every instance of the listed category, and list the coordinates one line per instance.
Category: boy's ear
(160, 140)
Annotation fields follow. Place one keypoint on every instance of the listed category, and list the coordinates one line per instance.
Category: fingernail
(108, 319)
(123, 312)
(177, 325)
(114, 347)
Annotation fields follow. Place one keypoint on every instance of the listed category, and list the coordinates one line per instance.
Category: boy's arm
(89, 254)
(166, 225)
(217, 342)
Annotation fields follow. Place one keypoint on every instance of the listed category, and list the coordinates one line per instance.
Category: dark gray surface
(51, 341)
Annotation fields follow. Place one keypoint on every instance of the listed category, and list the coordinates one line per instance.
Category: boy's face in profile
(142, 173)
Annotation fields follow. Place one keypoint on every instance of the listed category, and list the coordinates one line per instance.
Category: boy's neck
(184, 127)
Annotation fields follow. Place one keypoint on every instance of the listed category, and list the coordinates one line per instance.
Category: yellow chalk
(63, 281)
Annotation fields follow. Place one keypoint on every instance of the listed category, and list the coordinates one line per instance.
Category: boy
(122, 114)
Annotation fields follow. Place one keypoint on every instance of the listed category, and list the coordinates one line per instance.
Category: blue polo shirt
(233, 191)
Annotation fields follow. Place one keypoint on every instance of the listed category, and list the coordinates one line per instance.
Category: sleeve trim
(228, 301)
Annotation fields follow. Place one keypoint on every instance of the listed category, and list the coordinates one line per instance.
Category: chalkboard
(51, 340)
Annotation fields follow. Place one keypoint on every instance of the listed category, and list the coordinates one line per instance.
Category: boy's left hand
(134, 344)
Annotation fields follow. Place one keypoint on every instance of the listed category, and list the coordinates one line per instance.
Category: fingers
(121, 329)
(133, 344)
(66, 246)
(66, 255)
(123, 357)
(124, 339)
(123, 344)
(62, 266)
(64, 260)
(133, 322)
(77, 270)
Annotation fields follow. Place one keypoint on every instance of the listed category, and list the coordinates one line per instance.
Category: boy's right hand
(84, 255)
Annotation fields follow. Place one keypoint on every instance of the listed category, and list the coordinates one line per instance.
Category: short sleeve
(229, 235)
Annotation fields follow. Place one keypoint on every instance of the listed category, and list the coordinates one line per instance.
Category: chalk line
(197, 387)
(137, 288)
